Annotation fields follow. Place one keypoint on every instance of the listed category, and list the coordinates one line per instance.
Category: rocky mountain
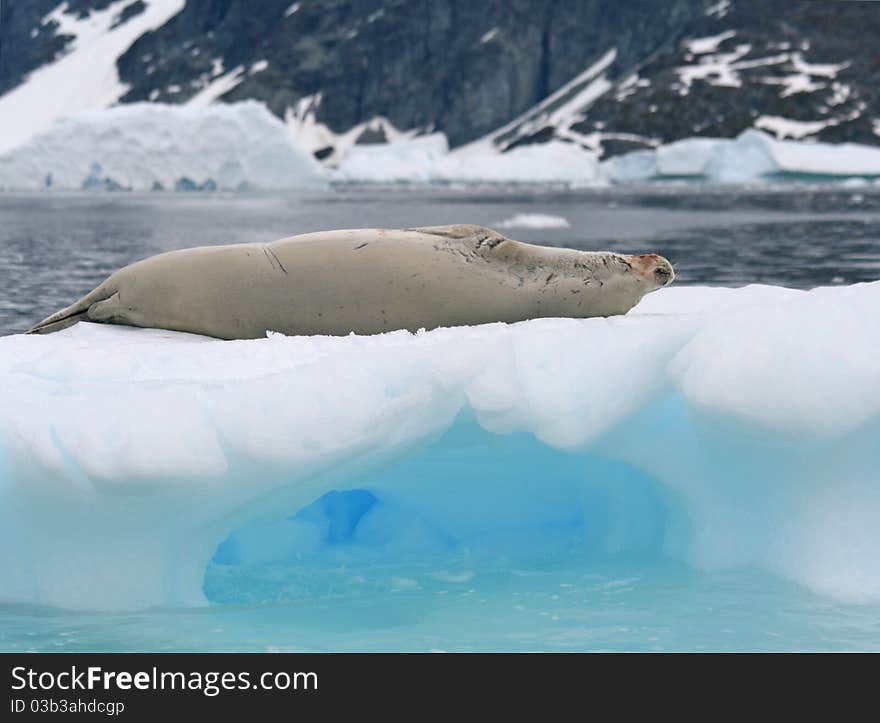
(607, 75)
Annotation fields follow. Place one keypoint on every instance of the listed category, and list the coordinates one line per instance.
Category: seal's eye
(663, 274)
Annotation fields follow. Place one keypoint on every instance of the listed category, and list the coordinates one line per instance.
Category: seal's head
(639, 274)
(652, 270)
(617, 282)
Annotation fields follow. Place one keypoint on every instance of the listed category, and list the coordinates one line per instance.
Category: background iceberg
(427, 159)
(752, 156)
(150, 146)
(147, 146)
(720, 427)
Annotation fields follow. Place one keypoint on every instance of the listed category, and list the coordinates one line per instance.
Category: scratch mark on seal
(360, 246)
(273, 259)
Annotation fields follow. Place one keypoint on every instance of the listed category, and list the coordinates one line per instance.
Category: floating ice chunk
(633, 167)
(723, 427)
(534, 220)
(427, 159)
(752, 156)
(148, 146)
(748, 158)
(408, 161)
(689, 157)
(551, 162)
(825, 159)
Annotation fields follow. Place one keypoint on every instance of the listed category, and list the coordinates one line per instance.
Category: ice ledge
(127, 456)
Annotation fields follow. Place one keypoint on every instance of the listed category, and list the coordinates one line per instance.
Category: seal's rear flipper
(47, 327)
(77, 311)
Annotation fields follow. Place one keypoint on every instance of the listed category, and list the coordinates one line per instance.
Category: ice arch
(750, 417)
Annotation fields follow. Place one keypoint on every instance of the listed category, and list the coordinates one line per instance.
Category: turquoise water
(556, 552)
(570, 605)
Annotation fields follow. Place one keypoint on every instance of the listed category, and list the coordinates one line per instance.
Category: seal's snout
(653, 268)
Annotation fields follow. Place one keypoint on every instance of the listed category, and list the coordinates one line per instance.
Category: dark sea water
(55, 247)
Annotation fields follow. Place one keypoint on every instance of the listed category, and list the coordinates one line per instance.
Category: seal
(365, 281)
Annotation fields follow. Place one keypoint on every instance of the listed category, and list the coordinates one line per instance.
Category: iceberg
(149, 146)
(724, 428)
(752, 156)
(427, 159)
(405, 161)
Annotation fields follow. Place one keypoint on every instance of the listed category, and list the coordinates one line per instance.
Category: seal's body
(365, 281)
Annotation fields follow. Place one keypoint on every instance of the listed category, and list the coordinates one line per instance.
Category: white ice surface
(141, 145)
(127, 455)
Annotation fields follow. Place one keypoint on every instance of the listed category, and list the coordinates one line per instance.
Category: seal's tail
(70, 315)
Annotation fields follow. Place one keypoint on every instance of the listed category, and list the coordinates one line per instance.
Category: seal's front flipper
(77, 311)
(109, 310)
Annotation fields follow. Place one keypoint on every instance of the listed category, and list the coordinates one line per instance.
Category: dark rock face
(812, 62)
(26, 43)
(458, 66)
(469, 68)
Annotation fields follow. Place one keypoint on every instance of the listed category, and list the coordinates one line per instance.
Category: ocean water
(54, 248)
(566, 595)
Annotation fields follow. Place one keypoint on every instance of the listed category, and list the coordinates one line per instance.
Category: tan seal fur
(365, 281)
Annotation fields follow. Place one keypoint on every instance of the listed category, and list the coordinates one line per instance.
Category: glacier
(150, 146)
(720, 428)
